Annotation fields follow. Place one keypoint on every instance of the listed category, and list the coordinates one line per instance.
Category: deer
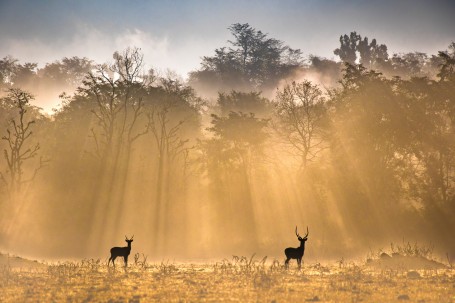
(296, 253)
(121, 252)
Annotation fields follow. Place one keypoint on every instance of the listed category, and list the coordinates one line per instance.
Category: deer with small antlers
(296, 253)
(121, 252)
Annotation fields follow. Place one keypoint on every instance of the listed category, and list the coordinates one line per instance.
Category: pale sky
(176, 34)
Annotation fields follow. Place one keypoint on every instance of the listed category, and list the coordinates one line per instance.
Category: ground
(237, 280)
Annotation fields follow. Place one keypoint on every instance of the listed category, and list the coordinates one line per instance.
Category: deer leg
(286, 263)
(113, 260)
(125, 258)
(299, 262)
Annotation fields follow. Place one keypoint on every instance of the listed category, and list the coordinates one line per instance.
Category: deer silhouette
(121, 252)
(296, 253)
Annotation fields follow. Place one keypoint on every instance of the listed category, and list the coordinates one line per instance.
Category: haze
(212, 128)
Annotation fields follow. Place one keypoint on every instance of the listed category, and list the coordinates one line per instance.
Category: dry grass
(240, 279)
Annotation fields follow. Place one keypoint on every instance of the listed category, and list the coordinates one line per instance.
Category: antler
(297, 234)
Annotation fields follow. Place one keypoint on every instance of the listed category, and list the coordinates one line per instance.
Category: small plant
(166, 268)
(64, 269)
(320, 268)
(412, 250)
(276, 266)
(91, 265)
(225, 266)
(136, 258)
(354, 272)
(140, 263)
(241, 265)
(249, 266)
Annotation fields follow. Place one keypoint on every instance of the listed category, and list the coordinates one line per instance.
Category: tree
(175, 106)
(436, 139)
(301, 113)
(233, 156)
(406, 65)
(369, 140)
(370, 53)
(117, 91)
(14, 74)
(447, 66)
(68, 72)
(8, 66)
(19, 149)
(251, 102)
(253, 61)
(348, 48)
(173, 114)
(119, 103)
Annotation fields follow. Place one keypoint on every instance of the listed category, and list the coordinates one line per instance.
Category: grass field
(237, 280)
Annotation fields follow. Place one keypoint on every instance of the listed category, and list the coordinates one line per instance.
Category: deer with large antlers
(296, 253)
(121, 252)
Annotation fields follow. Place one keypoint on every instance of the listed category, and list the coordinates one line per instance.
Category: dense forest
(258, 139)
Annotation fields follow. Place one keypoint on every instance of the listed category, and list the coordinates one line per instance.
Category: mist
(258, 140)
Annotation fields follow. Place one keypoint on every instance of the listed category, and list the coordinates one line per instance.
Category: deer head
(129, 240)
(300, 238)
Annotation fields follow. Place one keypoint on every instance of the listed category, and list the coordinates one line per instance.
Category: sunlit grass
(241, 279)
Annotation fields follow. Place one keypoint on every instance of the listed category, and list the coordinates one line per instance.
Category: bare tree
(300, 111)
(167, 140)
(118, 90)
(178, 105)
(19, 149)
(169, 119)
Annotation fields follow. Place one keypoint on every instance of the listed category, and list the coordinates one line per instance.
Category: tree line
(362, 148)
